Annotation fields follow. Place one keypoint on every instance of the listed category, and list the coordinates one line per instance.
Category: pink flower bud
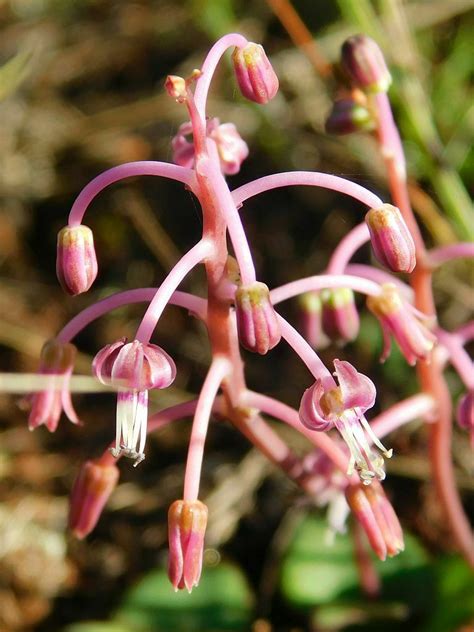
(347, 116)
(187, 521)
(257, 322)
(76, 261)
(340, 316)
(391, 240)
(255, 75)
(57, 360)
(176, 88)
(310, 318)
(399, 319)
(92, 489)
(364, 63)
(374, 512)
(465, 411)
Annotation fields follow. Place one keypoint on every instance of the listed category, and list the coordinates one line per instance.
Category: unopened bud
(391, 240)
(340, 316)
(176, 88)
(365, 65)
(465, 411)
(255, 75)
(347, 116)
(76, 261)
(310, 318)
(92, 489)
(187, 521)
(257, 322)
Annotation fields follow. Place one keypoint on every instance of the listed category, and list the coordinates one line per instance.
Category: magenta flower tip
(76, 261)
(257, 322)
(364, 63)
(340, 317)
(391, 240)
(347, 116)
(92, 489)
(187, 521)
(255, 75)
(465, 411)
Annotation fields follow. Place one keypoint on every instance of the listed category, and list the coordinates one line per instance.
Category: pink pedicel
(391, 240)
(377, 517)
(340, 317)
(92, 489)
(255, 75)
(323, 407)
(347, 117)
(364, 64)
(231, 149)
(133, 368)
(400, 320)
(76, 261)
(310, 315)
(56, 360)
(257, 323)
(187, 521)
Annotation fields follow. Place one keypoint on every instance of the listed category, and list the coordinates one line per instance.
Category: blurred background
(81, 89)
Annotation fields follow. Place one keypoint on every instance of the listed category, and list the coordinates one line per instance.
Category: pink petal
(358, 391)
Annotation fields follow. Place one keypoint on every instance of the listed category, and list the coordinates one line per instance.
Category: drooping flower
(377, 517)
(324, 406)
(348, 116)
(56, 361)
(401, 320)
(364, 63)
(92, 488)
(231, 148)
(133, 368)
(187, 521)
(391, 240)
(255, 75)
(311, 319)
(76, 261)
(340, 316)
(257, 322)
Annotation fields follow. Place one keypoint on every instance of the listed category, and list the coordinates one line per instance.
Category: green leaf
(14, 72)
(221, 602)
(97, 626)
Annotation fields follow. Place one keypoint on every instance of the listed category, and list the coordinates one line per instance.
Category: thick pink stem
(437, 256)
(417, 406)
(380, 276)
(219, 369)
(321, 282)
(209, 67)
(128, 170)
(465, 333)
(306, 178)
(194, 304)
(389, 138)
(346, 248)
(196, 255)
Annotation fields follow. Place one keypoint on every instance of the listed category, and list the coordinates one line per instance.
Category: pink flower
(348, 116)
(76, 261)
(377, 517)
(134, 368)
(92, 488)
(325, 406)
(257, 323)
(255, 75)
(187, 521)
(57, 361)
(391, 240)
(340, 316)
(364, 64)
(311, 321)
(401, 320)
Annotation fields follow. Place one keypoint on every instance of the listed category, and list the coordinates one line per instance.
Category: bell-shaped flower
(339, 315)
(401, 320)
(56, 361)
(377, 517)
(310, 312)
(325, 405)
(76, 261)
(391, 240)
(257, 322)
(255, 75)
(364, 63)
(133, 368)
(92, 489)
(187, 521)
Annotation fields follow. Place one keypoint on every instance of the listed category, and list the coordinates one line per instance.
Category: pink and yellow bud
(176, 88)
(339, 315)
(377, 517)
(364, 63)
(187, 521)
(311, 321)
(76, 261)
(92, 489)
(347, 116)
(255, 75)
(402, 321)
(257, 322)
(391, 240)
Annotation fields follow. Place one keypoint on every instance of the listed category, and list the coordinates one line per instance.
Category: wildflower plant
(240, 310)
